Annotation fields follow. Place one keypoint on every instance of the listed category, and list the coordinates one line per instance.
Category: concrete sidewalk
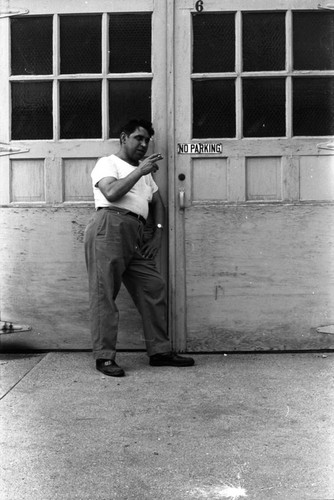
(256, 426)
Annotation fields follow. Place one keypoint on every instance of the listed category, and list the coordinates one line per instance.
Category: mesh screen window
(80, 44)
(80, 110)
(213, 43)
(125, 96)
(264, 107)
(313, 40)
(261, 74)
(214, 108)
(313, 106)
(129, 43)
(31, 110)
(31, 46)
(263, 41)
(75, 87)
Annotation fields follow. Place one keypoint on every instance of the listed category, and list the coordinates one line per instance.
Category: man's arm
(158, 209)
(151, 247)
(113, 189)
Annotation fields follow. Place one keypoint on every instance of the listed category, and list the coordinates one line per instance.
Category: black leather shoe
(170, 359)
(109, 367)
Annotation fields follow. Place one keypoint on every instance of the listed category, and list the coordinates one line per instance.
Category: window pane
(214, 108)
(31, 110)
(214, 43)
(313, 40)
(264, 107)
(313, 106)
(263, 41)
(129, 43)
(80, 110)
(128, 99)
(31, 46)
(80, 44)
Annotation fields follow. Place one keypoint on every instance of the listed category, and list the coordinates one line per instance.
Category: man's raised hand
(148, 165)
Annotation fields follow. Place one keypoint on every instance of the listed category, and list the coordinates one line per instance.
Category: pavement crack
(21, 378)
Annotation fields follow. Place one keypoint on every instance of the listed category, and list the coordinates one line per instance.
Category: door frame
(176, 254)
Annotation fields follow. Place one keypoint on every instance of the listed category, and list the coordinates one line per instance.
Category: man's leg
(104, 275)
(148, 291)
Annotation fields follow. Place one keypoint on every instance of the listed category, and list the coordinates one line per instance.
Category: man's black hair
(133, 124)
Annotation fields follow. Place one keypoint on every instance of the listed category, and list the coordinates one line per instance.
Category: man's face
(136, 144)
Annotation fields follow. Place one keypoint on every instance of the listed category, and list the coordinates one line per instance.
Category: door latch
(182, 196)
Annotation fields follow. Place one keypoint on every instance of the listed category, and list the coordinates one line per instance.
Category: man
(116, 251)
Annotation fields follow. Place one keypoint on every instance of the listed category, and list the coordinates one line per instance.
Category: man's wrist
(159, 226)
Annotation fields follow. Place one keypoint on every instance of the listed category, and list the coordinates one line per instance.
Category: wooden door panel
(27, 181)
(256, 271)
(46, 193)
(264, 178)
(256, 280)
(77, 184)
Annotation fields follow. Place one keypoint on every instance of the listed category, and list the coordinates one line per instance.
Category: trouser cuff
(104, 354)
(159, 349)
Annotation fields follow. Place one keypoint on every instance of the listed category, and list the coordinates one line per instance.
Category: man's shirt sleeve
(152, 184)
(103, 168)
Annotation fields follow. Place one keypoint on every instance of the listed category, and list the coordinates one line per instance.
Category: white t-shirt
(137, 199)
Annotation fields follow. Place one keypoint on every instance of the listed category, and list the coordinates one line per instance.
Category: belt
(125, 212)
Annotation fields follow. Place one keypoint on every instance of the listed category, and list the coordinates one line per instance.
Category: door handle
(182, 197)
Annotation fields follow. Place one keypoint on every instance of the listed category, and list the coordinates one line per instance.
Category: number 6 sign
(199, 5)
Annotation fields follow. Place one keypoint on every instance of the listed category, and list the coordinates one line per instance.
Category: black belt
(125, 212)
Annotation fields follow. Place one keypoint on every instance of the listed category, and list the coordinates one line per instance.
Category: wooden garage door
(254, 181)
(71, 74)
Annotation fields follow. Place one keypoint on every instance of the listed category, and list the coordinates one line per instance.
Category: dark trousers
(112, 249)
